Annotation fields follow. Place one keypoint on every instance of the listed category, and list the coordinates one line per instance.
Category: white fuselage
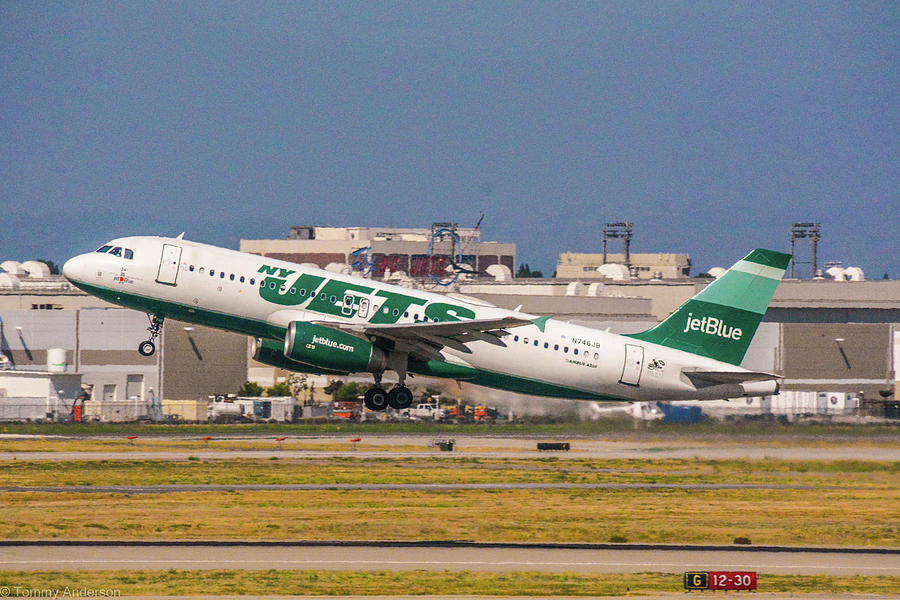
(222, 288)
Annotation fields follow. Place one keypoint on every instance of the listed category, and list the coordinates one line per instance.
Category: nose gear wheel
(148, 347)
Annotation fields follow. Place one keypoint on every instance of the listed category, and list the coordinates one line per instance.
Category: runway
(438, 556)
(468, 446)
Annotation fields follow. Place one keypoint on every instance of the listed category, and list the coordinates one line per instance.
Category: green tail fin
(721, 320)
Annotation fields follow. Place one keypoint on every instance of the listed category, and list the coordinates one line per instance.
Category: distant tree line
(525, 271)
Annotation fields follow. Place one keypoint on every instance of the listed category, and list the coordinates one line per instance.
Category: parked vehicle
(425, 411)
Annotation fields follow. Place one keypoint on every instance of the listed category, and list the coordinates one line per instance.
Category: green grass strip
(402, 583)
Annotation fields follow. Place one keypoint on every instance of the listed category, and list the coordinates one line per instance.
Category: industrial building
(657, 265)
(42, 316)
(99, 343)
(46, 395)
(420, 253)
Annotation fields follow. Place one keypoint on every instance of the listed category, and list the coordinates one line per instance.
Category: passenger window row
(293, 290)
(536, 343)
(416, 317)
(222, 275)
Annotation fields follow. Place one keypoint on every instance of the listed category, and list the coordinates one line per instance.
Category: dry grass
(858, 509)
(855, 517)
(445, 469)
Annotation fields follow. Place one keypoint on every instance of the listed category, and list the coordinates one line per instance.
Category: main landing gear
(148, 347)
(398, 398)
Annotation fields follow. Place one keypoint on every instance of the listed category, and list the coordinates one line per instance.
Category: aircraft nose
(74, 268)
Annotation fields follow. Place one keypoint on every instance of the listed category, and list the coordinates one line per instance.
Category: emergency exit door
(634, 364)
(168, 264)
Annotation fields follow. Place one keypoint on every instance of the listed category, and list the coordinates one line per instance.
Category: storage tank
(854, 274)
(614, 271)
(836, 273)
(36, 269)
(56, 360)
(12, 267)
(9, 281)
(575, 288)
(499, 272)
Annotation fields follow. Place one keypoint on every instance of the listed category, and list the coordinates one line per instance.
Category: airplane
(310, 320)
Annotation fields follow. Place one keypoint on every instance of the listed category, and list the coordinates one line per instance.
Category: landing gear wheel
(149, 347)
(400, 397)
(376, 399)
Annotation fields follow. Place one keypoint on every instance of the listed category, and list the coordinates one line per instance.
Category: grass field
(444, 469)
(782, 517)
(847, 503)
(857, 508)
(413, 583)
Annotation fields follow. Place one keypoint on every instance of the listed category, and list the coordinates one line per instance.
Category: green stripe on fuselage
(534, 387)
(191, 314)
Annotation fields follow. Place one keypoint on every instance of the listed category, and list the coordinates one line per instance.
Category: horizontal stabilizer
(707, 378)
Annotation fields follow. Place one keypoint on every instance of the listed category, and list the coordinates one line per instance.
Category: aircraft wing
(702, 378)
(425, 340)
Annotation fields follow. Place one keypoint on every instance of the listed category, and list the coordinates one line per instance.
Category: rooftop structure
(575, 265)
(438, 254)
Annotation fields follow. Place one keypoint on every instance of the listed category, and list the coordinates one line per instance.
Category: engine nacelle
(271, 353)
(327, 348)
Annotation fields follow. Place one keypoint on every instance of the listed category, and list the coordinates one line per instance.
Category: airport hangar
(823, 335)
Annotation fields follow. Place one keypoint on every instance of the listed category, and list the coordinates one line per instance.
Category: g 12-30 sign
(720, 580)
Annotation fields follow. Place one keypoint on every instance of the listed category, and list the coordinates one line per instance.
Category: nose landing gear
(148, 347)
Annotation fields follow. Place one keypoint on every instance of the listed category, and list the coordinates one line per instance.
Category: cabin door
(634, 363)
(168, 264)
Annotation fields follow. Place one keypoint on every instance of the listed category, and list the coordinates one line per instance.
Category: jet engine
(271, 353)
(326, 348)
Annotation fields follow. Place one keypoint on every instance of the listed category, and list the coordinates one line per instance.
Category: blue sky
(711, 125)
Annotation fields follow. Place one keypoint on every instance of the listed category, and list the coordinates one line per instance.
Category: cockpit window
(103, 249)
(129, 254)
(117, 251)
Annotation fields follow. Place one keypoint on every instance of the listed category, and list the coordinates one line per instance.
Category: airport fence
(55, 410)
(32, 409)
